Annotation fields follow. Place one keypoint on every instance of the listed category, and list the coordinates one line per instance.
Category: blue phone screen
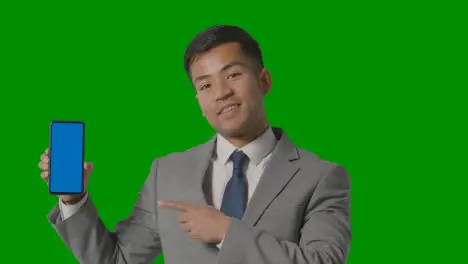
(66, 157)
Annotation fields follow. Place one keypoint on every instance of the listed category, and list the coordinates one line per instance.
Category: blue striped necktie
(233, 204)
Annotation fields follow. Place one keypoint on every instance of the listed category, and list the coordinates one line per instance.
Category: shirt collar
(256, 150)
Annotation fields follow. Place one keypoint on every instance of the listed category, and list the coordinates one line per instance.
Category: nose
(224, 90)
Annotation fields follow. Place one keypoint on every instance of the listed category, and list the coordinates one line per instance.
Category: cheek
(203, 106)
(207, 109)
(250, 94)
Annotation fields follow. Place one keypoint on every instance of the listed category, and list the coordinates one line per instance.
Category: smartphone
(66, 157)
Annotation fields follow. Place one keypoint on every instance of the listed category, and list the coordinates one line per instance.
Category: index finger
(174, 205)
(47, 151)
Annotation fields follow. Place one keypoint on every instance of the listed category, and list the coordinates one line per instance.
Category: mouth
(228, 108)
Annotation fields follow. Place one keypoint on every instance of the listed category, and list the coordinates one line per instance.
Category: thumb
(89, 166)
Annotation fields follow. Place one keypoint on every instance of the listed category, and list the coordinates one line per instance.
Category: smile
(229, 108)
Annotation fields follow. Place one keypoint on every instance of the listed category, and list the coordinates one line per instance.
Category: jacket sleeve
(135, 239)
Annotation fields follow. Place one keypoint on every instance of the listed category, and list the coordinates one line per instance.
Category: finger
(45, 158)
(174, 205)
(88, 166)
(43, 166)
(194, 234)
(186, 227)
(45, 176)
(182, 218)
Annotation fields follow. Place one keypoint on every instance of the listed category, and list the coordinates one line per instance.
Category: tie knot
(238, 158)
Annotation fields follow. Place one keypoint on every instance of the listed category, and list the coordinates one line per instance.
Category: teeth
(227, 109)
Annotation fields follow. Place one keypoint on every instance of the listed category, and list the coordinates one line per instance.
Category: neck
(242, 140)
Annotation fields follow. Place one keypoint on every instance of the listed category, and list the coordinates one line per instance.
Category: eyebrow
(224, 68)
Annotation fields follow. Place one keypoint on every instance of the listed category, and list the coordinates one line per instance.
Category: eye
(204, 86)
(234, 75)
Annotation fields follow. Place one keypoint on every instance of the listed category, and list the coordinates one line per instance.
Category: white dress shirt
(258, 152)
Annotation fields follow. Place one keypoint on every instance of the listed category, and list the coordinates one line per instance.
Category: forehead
(215, 59)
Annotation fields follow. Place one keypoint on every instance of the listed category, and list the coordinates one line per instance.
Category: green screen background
(377, 87)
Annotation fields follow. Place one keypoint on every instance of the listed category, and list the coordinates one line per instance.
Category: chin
(234, 129)
(231, 127)
(231, 133)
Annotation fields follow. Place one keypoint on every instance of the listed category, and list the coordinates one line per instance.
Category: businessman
(247, 196)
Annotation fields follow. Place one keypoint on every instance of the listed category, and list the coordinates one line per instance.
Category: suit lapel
(279, 171)
(195, 166)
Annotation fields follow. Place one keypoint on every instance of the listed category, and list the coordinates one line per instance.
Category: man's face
(230, 89)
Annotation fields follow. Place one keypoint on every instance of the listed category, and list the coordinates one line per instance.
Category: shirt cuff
(66, 211)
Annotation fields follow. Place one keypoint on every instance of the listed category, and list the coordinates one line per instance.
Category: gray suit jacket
(299, 213)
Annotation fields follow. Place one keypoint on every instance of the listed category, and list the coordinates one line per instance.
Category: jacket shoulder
(311, 160)
(180, 156)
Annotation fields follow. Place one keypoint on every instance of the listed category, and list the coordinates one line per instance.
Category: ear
(265, 81)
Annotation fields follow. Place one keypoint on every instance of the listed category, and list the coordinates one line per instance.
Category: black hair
(221, 34)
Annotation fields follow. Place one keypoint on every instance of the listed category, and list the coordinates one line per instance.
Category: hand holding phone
(63, 163)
